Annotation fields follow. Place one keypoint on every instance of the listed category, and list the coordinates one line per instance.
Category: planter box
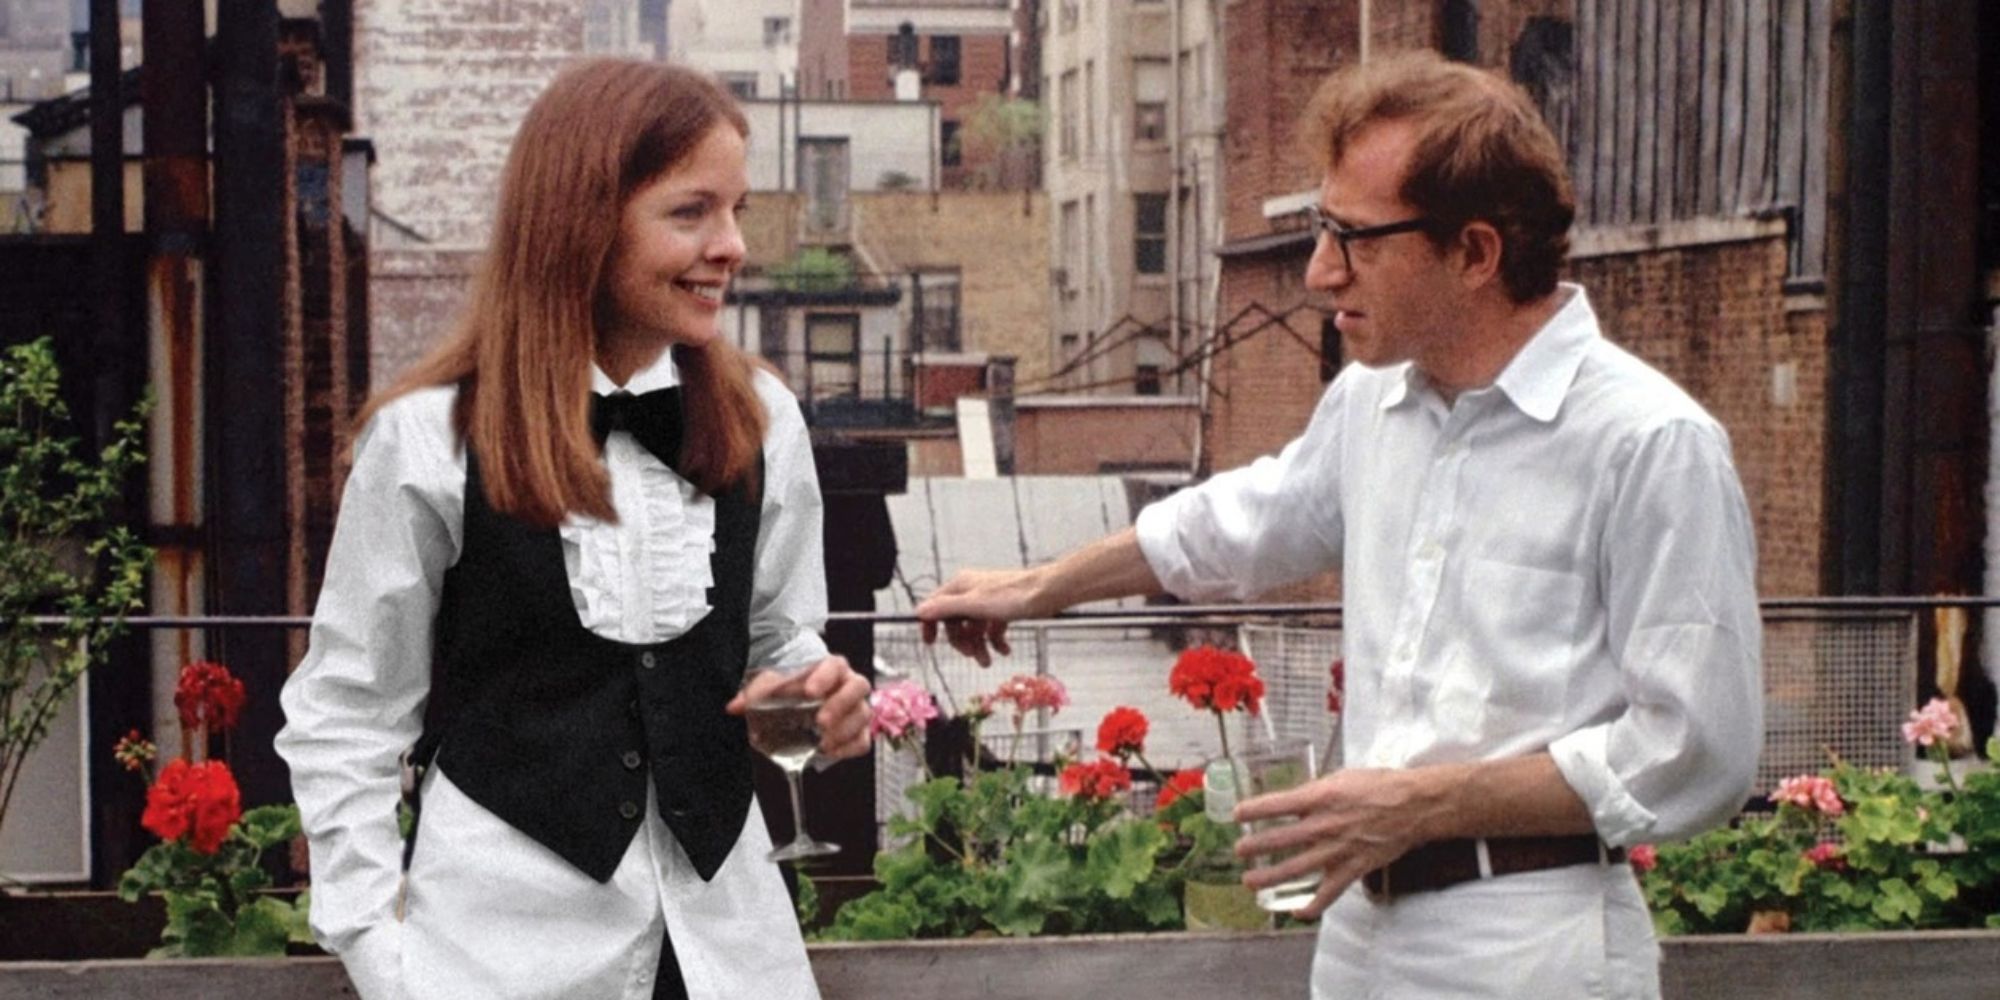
(1139, 967)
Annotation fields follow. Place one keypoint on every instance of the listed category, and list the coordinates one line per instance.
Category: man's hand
(975, 606)
(843, 715)
(1347, 824)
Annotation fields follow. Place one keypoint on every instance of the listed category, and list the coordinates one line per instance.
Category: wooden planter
(1892, 966)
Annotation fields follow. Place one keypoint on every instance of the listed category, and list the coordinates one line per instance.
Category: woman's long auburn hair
(522, 350)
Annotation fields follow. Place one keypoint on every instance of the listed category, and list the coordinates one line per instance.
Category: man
(1551, 631)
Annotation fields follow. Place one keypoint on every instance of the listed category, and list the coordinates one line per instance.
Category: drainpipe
(1990, 635)
(1174, 139)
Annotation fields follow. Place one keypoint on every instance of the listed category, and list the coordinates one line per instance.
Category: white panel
(47, 834)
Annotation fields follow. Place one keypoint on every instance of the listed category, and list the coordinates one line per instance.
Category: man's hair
(1482, 153)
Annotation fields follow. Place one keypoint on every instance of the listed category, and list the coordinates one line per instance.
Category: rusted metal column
(173, 93)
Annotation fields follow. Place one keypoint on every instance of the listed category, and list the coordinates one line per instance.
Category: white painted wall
(883, 137)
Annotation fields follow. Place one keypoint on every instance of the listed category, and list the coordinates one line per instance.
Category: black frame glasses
(1325, 225)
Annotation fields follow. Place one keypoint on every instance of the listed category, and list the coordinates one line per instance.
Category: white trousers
(1575, 933)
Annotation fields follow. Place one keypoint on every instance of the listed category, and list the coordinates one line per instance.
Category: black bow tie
(653, 419)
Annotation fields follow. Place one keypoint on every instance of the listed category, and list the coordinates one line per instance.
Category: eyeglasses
(1324, 225)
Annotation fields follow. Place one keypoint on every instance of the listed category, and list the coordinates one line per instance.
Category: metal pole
(107, 219)
(246, 377)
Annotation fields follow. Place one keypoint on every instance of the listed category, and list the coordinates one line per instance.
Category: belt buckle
(1384, 895)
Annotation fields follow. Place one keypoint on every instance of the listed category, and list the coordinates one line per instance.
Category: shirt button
(1406, 652)
(633, 707)
(1432, 551)
(631, 760)
(628, 809)
(648, 660)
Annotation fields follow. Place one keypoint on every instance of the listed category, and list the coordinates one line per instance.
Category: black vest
(554, 728)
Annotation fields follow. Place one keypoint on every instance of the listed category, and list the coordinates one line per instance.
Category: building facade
(1132, 162)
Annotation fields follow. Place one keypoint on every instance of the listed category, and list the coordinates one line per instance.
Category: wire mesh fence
(1836, 682)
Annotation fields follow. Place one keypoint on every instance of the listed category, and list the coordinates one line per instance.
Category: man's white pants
(1576, 932)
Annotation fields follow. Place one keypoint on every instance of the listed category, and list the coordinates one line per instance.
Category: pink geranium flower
(1933, 723)
(900, 710)
(1811, 793)
(1026, 693)
(1827, 856)
(1643, 857)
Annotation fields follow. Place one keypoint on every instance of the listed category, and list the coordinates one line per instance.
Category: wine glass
(780, 715)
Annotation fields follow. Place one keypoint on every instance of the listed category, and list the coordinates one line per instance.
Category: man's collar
(663, 373)
(1540, 375)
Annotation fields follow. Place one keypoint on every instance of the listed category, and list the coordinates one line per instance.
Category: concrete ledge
(1138, 967)
(1610, 241)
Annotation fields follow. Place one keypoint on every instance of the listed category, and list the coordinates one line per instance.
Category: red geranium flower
(1827, 856)
(1097, 781)
(209, 696)
(1643, 857)
(1217, 680)
(1122, 733)
(1180, 784)
(1336, 689)
(196, 801)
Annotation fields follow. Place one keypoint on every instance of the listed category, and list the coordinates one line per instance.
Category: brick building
(1712, 297)
(953, 53)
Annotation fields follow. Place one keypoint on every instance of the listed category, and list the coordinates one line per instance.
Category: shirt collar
(663, 373)
(1541, 373)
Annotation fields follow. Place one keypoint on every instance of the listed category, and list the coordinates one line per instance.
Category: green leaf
(1897, 902)
(262, 928)
(197, 925)
(1121, 856)
(269, 826)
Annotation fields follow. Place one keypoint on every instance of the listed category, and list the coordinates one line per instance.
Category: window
(1329, 349)
(903, 47)
(934, 313)
(1089, 109)
(823, 177)
(833, 356)
(1151, 79)
(943, 69)
(743, 85)
(1071, 251)
(1146, 380)
(1149, 233)
(948, 139)
(777, 31)
(1066, 98)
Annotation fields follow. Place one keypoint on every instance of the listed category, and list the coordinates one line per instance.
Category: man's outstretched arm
(976, 605)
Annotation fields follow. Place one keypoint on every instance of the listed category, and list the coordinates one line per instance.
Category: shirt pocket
(1523, 629)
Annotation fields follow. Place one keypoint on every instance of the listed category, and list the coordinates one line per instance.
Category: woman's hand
(843, 712)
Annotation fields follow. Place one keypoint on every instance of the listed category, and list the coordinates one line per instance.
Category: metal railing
(1840, 675)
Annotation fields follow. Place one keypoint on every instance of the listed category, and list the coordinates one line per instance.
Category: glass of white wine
(781, 719)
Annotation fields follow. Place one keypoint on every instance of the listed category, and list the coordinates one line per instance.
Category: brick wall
(413, 298)
(441, 86)
(1713, 318)
(823, 49)
(1278, 52)
(1075, 436)
(982, 70)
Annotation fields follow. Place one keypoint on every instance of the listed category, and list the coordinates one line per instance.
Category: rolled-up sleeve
(1248, 530)
(355, 703)
(1679, 572)
(788, 596)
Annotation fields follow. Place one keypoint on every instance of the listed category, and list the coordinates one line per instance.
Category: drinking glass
(1281, 766)
(780, 716)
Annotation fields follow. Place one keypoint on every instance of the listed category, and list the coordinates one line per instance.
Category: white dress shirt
(488, 912)
(1561, 561)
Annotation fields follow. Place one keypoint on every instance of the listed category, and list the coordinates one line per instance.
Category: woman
(567, 534)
